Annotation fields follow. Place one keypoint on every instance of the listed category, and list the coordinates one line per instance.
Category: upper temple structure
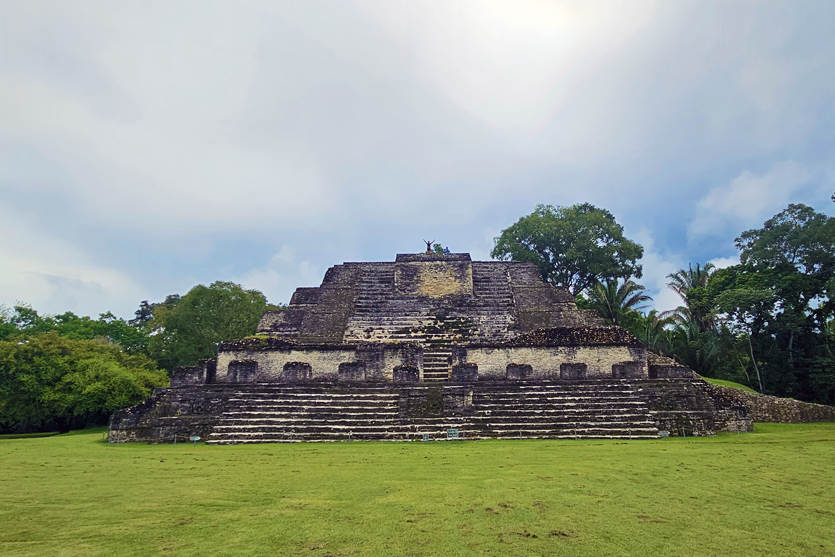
(432, 317)
(432, 344)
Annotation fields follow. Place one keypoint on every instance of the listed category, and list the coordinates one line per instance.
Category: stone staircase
(592, 409)
(437, 364)
(380, 314)
(598, 409)
(269, 414)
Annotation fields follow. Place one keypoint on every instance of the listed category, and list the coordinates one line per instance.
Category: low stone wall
(772, 409)
(259, 361)
(377, 362)
(546, 361)
(172, 412)
(689, 407)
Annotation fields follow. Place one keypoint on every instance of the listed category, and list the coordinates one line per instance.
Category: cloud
(54, 277)
(281, 275)
(724, 262)
(656, 267)
(175, 143)
(748, 199)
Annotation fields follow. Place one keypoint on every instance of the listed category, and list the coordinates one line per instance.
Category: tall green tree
(574, 247)
(779, 301)
(48, 381)
(697, 349)
(189, 328)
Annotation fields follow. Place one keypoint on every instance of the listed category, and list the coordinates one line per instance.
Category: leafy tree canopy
(23, 321)
(575, 247)
(50, 381)
(798, 236)
(188, 329)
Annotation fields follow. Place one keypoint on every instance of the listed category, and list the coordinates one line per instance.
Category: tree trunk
(756, 367)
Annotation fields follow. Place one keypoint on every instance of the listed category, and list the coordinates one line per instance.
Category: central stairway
(437, 364)
(590, 409)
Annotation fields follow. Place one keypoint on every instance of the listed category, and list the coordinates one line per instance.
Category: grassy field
(764, 493)
(27, 435)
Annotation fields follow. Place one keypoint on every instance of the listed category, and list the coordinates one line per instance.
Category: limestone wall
(545, 361)
(764, 408)
(324, 361)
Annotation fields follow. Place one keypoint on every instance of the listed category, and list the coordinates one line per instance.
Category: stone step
(302, 392)
(314, 408)
(327, 398)
(392, 435)
(308, 427)
(590, 406)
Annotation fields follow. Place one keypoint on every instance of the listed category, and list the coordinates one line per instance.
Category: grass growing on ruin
(769, 492)
(731, 384)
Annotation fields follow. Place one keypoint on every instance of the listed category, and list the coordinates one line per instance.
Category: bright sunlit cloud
(145, 148)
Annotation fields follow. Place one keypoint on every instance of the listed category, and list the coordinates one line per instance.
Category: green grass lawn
(764, 493)
(27, 435)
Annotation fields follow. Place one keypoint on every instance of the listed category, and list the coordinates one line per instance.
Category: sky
(147, 147)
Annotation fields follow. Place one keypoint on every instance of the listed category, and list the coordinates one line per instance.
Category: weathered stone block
(296, 371)
(628, 370)
(406, 374)
(434, 279)
(670, 372)
(573, 371)
(188, 375)
(242, 371)
(518, 372)
(351, 372)
(465, 372)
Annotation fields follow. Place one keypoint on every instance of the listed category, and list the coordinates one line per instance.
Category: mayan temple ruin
(427, 344)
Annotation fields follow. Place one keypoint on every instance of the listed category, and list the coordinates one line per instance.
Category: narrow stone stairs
(437, 364)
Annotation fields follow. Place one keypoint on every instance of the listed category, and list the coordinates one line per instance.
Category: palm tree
(653, 331)
(684, 282)
(696, 349)
(614, 300)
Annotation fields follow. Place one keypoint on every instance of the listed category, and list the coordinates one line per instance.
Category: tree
(696, 349)
(188, 330)
(24, 322)
(614, 300)
(778, 303)
(652, 329)
(748, 310)
(48, 381)
(690, 284)
(575, 247)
